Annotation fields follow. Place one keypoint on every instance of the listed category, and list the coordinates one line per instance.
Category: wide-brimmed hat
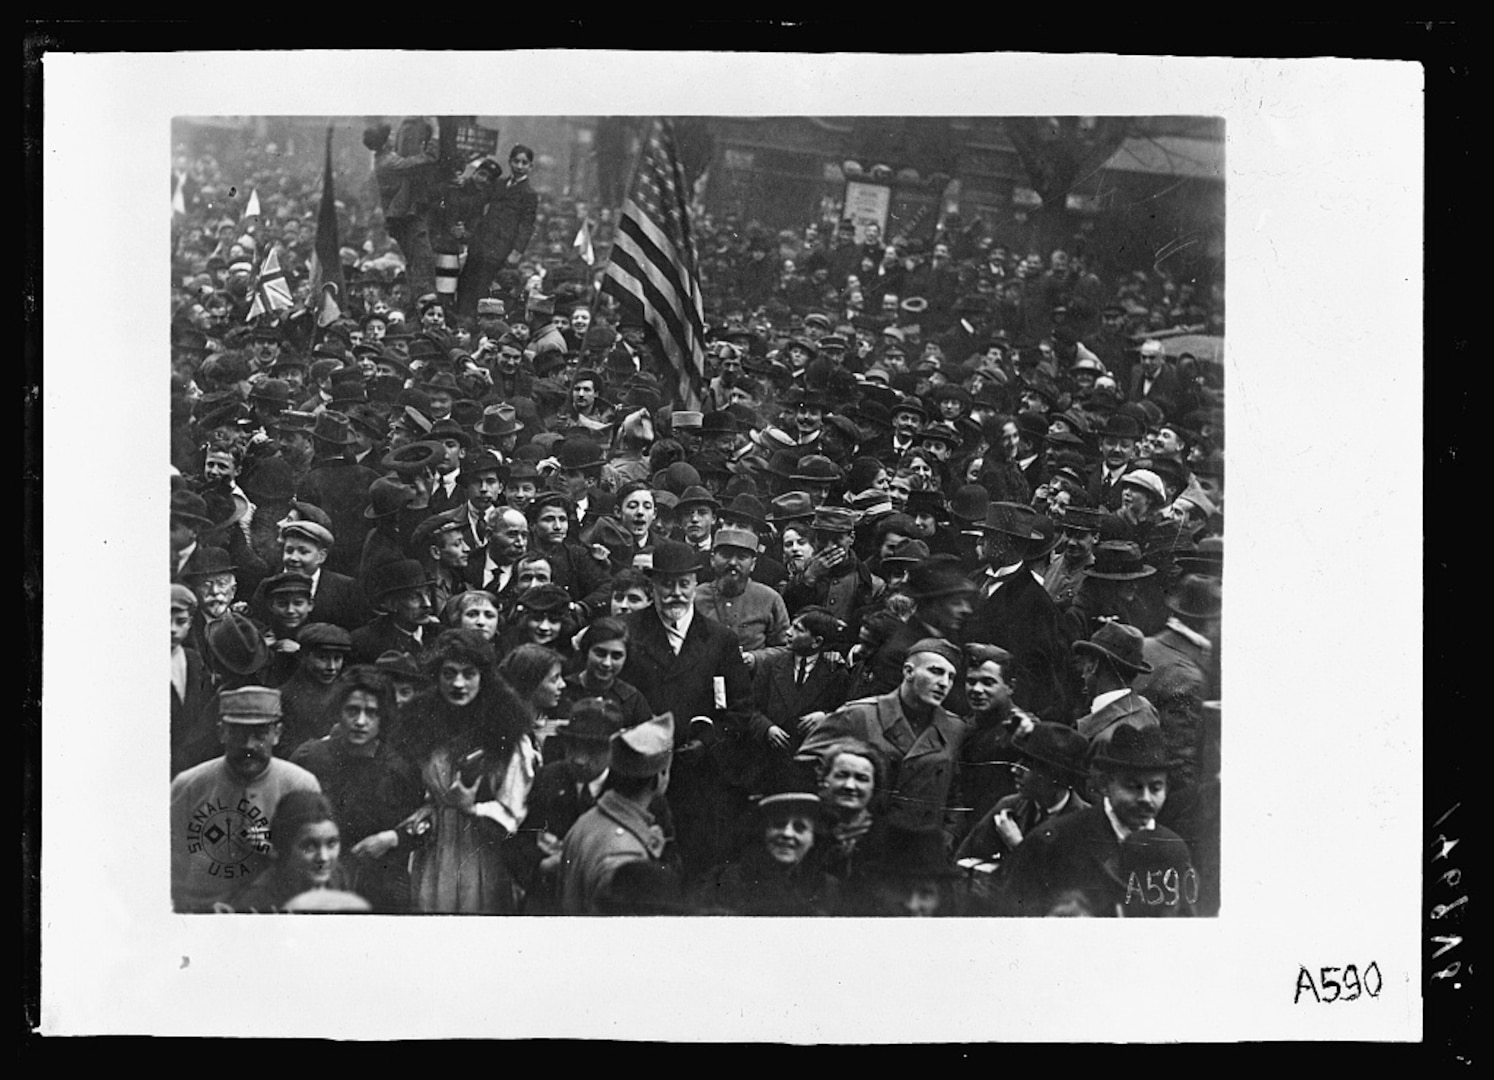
(1012, 519)
(1135, 749)
(1197, 597)
(500, 419)
(1119, 560)
(236, 645)
(1059, 748)
(674, 557)
(1119, 643)
(414, 458)
(1206, 559)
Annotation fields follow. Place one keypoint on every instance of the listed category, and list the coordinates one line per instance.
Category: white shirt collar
(676, 634)
(1106, 698)
(1061, 803)
(1121, 830)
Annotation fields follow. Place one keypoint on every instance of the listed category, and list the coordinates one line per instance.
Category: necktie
(803, 673)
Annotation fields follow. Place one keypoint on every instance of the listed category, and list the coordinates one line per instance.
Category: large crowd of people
(915, 612)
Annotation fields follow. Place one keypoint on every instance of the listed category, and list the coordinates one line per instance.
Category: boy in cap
(221, 809)
(307, 694)
(619, 828)
(336, 598)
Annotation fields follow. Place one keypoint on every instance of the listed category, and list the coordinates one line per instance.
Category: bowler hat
(942, 432)
(644, 750)
(485, 461)
(249, 705)
(908, 404)
(674, 557)
(1135, 749)
(579, 453)
(1057, 746)
(236, 645)
(396, 576)
(1119, 560)
(207, 560)
(1119, 643)
(1120, 426)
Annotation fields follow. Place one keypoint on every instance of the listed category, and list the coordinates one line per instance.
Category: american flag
(652, 269)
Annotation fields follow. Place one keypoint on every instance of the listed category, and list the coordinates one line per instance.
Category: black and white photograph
(770, 548)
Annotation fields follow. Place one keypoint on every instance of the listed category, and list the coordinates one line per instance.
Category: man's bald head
(508, 534)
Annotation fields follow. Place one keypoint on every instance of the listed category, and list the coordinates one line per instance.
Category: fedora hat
(450, 429)
(938, 577)
(484, 461)
(908, 553)
(816, 468)
(748, 508)
(1135, 750)
(696, 495)
(273, 391)
(236, 645)
(332, 427)
(188, 506)
(1119, 643)
(940, 431)
(1119, 560)
(387, 497)
(395, 576)
(907, 403)
(674, 557)
(1057, 747)
(1206, 559)
(1196, 597)
(1013, 519)
(793, 506)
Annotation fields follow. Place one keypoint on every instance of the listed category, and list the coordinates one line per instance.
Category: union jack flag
(652, 270)
(271, 292)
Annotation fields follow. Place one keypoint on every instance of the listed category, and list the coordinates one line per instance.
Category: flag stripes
(651, 270)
